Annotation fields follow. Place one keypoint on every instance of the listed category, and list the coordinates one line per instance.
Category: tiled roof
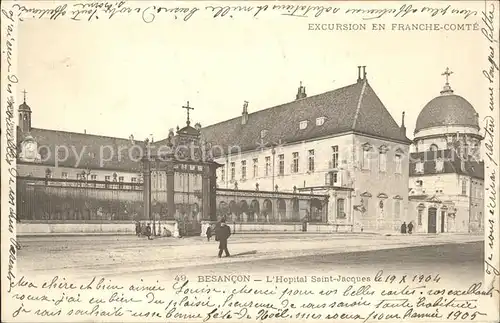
(352, 108)
(452, 163)
(88, 147)
(447, 110)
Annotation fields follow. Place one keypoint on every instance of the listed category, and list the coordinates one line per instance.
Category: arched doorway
(223, 209)
(431, 220)
(268, 209)
(295, 209)
(233, 210)
(244, 210)
(253, 211)
(281, 210)
(316, 207)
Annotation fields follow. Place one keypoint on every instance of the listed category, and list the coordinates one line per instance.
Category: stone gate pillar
(170, 190)
(146, 169)
(213, 192)
(205, 193)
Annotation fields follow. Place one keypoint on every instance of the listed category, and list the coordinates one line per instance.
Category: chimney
(301, 92)
(361, 73)
(131, 138)
(244, 114)
(84, 131)
(403, 127)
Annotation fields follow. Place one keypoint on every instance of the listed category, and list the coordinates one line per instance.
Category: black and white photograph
(170, 161)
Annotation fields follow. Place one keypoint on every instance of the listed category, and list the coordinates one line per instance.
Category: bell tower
(25, 116)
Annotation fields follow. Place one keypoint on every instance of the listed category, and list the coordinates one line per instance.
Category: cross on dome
(447, 73)
(447, 88)
(187, 107)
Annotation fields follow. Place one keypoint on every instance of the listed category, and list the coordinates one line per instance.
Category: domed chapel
(446, 170)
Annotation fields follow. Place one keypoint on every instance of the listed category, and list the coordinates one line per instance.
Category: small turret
(301, 92)
(25, 116)
(244, 114)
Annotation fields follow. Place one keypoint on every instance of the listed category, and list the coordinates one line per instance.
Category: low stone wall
(33, 228)
(329, 227)
(245, 227)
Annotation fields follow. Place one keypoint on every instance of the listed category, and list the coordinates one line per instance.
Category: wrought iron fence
(47, 199)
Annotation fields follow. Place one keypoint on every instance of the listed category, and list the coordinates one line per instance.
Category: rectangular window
(419, 167)
(80, 177)
(382, 160)
(365, 201)
(107, 178)
(464, 187)
(340, 209)
(255, 167)
(331, 178)
(281, 161)
(335, 157)
(222, 174)
(397, 209)
(295, 165)
(419, 220)
(64, 175)
(268, 165)
(366, 159)
(94, 177)
(121, 179)
(310, 166)
(398, 164)
(243, 169)
(439, 165)
(233, 171)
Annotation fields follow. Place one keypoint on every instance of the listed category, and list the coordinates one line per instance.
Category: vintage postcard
(170, 161)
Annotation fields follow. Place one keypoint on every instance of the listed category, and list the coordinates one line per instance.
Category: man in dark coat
(209, 232)
(223, 233)
(403, 228)
(137, 228)
(148, 232)
(410, 227)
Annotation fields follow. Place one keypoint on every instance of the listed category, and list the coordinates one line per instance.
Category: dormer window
(303, 124)
(320, 121)
(263, 133)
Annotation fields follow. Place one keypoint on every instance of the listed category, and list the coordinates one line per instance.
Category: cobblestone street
(130, 256)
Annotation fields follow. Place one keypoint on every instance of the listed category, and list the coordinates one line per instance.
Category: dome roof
(188, 130)
(24, 107)
(446, 110)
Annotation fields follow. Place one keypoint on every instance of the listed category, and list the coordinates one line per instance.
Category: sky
(123, 76)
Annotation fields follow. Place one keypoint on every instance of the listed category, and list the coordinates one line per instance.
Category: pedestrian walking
(410, 227)
(403, 228)
(209, 232)
(223, 233)
(148, 232)
(137, 228)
